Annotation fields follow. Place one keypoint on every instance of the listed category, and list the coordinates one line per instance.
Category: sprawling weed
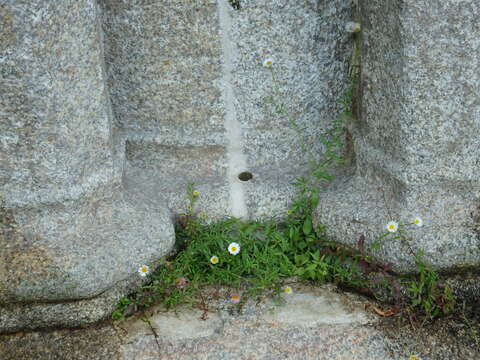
(257, 256)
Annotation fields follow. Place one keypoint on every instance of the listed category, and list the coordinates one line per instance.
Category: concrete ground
(312, 322)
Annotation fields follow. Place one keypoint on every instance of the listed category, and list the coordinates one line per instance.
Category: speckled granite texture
(417, 142)
(311, 53)
(164, 65)
(186, 77)
(69, 231)
(109, 108)
(312, 323)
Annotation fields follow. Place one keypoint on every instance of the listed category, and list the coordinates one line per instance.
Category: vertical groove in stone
(118, 144)
(236, 157)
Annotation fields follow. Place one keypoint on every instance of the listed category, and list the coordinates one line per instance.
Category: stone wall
(110, 108)
(417, 142)
(70, 230)
(191, 97)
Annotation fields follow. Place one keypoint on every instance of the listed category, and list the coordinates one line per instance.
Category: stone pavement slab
(313, 322)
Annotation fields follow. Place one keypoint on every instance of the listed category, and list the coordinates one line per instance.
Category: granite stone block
(194, 103)
(69, 231)
(416, 142)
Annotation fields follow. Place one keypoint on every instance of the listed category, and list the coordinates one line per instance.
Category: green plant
(427, 292)
(421, 293)
(255, 256)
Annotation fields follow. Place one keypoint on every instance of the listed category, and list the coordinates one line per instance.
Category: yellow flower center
(144, 269)
(234, 248)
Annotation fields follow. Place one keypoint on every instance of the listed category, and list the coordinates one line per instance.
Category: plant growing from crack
(255, 257)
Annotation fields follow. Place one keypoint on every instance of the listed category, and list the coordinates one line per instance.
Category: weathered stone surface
(311, 309)
(311, 54)
(69, 231)
(164, 73)
(192, 99)
(312, 323)
(96, 142)
(302, 325)
(16, 317)
(100, 343)
(416, 143)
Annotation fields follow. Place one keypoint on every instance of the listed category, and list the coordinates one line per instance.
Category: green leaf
(300, 259)
(117, 315)
(307, 226)
(315, 199)
(416, 302)
(376, 245)
(296, 235)
(316, 255)
(300, 271)
(125, 300)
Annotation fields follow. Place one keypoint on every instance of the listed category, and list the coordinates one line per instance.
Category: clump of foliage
(268, 251)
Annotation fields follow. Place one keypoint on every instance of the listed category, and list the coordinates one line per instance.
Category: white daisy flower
(352, 27)
(268, 62)
(418, 221)
(392, 226)
(143, 270)
(287, 290)
(214, 260)
(234, 248)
